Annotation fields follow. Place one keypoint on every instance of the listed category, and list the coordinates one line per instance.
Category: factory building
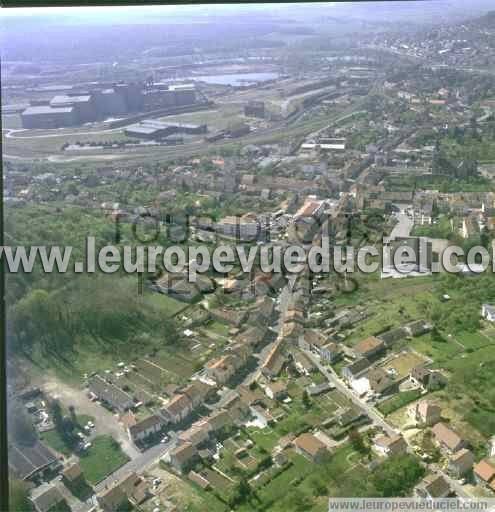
(151, 129)
(106, 100)
(84, 106)
(161, 95)
(45, 116)
(255, 109)
(110, 102)
(185, 94)
(133, 95)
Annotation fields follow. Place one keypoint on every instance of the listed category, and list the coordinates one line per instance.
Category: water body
(236, 79)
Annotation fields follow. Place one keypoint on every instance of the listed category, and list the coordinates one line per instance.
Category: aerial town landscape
(372, 124)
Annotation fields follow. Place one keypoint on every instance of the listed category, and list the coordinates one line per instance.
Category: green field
(393, 404)
(103, 458)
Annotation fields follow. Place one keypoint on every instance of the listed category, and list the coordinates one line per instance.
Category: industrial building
(255, 109)
(160, 95)
(45, 116)
(111, 102)
(152, 129)
(75, 108)
(84, 106)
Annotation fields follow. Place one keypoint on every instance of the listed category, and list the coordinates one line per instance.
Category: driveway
(105, 422)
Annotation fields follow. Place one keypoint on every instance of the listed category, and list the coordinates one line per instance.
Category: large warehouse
(46, 116)
(84, 106)
(152, 129)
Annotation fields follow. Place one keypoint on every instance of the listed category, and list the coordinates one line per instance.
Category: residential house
(113, 498)
(284, 442)
(433, 487)
(32, 462)
(276, 390)
(310, 447)
(72, 473)
(425, 413)
(318, 389)
(250, 396)
(418, 328)
(274, 361)
(426, 379)
(488, 312)
(447, 438)
(262, 416)
(484, 473)
(178, 408)
(145, 428)
(302, 363)
(394, 445)
(381, 383)
(223, 368)
(394, 335)
(135, 488)
(183, 456)
(198, 391)
(110, 394)
(129, 490)
(47, 499)
(197, 434)
(354, 370)
(218, 420)
(331, 352)
(369, 348)
(461, 463)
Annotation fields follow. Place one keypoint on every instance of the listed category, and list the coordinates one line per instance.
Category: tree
(397, 475)
(357, 442)
(73, 416)
(242, 493)
(306, 400)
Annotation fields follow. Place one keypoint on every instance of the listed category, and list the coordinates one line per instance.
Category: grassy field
(102, 459)
(54, 440)
(404, 363)
(398, 401)
(390, 303)
(170, 306)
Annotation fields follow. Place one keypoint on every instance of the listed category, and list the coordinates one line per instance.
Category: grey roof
(24, 461)
(46, 109)
(63, 99)
(109, 393)
(146, 424)
(358, 366)
(137, 128)
(47, 499)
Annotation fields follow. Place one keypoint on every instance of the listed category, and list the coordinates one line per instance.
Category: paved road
(377, 418)
(139, 464)
(332, 377)
(403, 227)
